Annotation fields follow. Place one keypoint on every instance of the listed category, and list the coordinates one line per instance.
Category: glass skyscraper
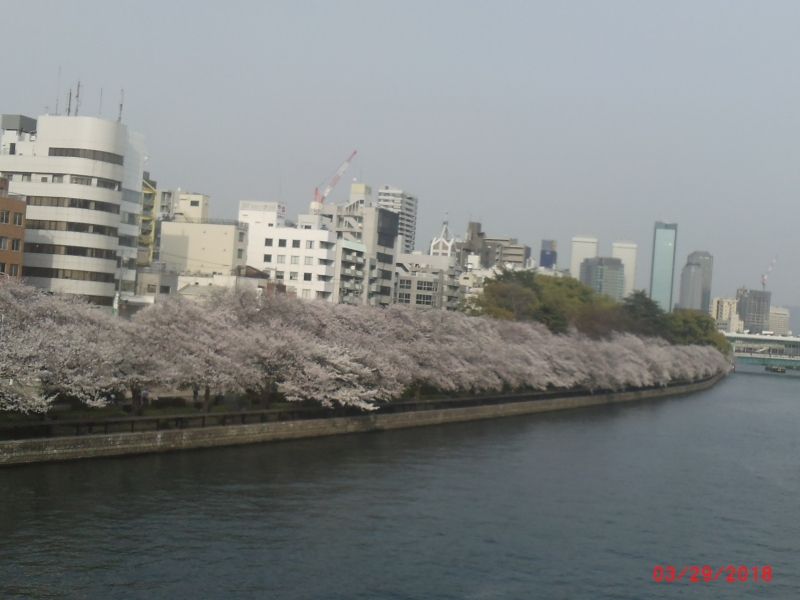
(662, 267)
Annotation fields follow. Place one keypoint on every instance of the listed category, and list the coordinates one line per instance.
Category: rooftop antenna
(78, 99)
(121, 102)
(100, 109)
(58, 87)
(69, 103)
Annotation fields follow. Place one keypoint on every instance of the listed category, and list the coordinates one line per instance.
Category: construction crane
(765, 276)
(319, 197)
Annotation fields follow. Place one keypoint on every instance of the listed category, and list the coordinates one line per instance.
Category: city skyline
(649, 116)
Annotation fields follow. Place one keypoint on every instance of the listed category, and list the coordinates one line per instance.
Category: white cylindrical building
(82, 180)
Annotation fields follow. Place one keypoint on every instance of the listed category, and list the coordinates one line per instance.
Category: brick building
(12, 232)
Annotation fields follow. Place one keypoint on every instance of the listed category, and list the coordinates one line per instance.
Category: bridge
(772, 352)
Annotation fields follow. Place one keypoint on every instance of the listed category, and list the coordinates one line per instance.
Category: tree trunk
(266, 395)
(207, 399)
(136, 399)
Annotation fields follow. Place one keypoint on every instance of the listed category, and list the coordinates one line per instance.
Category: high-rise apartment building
(582, 248)
(374, 231)
(605, 275)
(626, 252)
(405, 205)
(81, 178)
(548, 255)
(753, 307)
(662, 266)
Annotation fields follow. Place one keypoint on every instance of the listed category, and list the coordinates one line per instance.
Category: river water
(579, 504)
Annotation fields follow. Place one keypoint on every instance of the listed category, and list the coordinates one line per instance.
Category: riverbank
(28, 451)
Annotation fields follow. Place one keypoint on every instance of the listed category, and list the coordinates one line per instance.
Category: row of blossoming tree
(54, 346)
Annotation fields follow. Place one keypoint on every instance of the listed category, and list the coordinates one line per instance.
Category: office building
(662, 266)
(779, 319)
(424, 280)
(81, 178)
(301, 256)
(753, 307)
(695, 293)
(12, 233)
(208, 246)
(605, 275)
(405, 205)
(626, 252)
(582, 248)
(548, 255)
(725, 313)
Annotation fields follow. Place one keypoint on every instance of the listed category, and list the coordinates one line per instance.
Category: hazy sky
(540, 119)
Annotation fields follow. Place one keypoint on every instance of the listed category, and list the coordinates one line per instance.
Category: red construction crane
(320, 196)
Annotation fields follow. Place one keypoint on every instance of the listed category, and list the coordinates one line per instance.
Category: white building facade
(82, 180)
(626, 252)
(303, 257)
(209, 246)
(581, 249)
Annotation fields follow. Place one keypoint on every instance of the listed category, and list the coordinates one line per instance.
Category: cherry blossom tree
(54, 346)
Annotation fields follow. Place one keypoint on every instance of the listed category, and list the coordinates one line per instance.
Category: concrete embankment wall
(93, 446)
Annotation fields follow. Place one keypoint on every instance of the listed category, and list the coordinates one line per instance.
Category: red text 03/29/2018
(709, 574)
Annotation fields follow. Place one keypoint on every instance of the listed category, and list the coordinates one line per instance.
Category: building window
(424, 299)
(194, 202)
(267, 258)
(295, 243)
(279, 275)
(426, 286)
(309, 244)
(306, 294)
(295, 260)
(306, 276)
(109, 157)
(151, 288)
(44, 180)
(15, 245)
(293, 276)
(18, 219)
(281, 259)
(308, 260)
(241, 236)
(164, 289)
(108, 184)
(14, 270)
(3, 216)
(3, 243)
(404, 284)
(26, 177)
(268, 242)
(57, 179)
(404, 298)
(240, 253)
(80, 180)
(2, 267)
(281, 243)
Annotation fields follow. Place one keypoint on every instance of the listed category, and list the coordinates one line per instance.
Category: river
(577, 504)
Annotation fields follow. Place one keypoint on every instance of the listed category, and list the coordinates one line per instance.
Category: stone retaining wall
(93, 446)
